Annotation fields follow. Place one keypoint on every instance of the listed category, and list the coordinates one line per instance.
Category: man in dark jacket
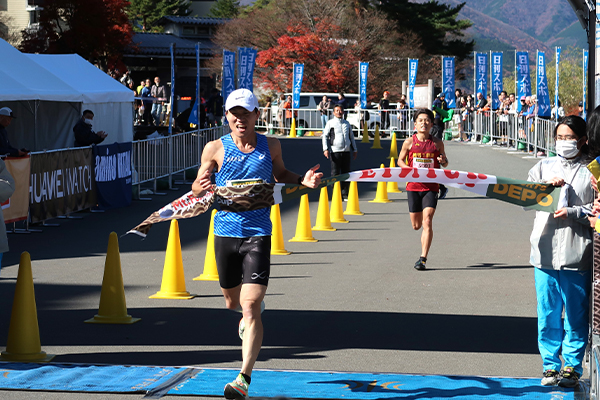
(84, 134)
(6, 117)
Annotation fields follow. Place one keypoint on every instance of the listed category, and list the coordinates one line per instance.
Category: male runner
(422, 151)
(243, 239)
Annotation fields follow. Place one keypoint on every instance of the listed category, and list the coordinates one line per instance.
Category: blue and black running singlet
(238, 166)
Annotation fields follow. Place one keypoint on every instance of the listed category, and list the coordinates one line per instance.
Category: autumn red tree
(97, 30)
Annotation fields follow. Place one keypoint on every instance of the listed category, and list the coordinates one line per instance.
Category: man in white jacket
(338, 143)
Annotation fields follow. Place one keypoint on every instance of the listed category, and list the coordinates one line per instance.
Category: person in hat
(242, 240)
(84, 134)
(6, 117)
(580, 112)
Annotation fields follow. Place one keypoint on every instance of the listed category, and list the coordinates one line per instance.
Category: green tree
(226, 9)
(145, 14)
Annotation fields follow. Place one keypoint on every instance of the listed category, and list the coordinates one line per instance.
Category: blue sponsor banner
(497, 85)
(585, 71)
(112, 173)
(523, 78)
(246, 61)
(413, 65)
(363, 72)
(298, 76)
(228, 73)
(542, 86)
(557, 77)
(481, 73)
(448, 81)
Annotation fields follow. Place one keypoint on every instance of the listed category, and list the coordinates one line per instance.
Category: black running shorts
(246, 260)
(418, 201)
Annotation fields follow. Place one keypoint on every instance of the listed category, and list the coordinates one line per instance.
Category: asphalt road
(350, 302)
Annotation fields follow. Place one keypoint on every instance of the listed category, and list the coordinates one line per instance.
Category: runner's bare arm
(442, 159)
(212, 157)
(311, 179)
(404, 152)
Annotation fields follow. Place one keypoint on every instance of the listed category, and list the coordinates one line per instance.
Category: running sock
(247, 378)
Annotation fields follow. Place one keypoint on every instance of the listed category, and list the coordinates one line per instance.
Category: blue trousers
(324, 119)
(556, 290)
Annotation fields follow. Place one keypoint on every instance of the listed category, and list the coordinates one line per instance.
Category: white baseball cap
(242, 98)
(7, 112)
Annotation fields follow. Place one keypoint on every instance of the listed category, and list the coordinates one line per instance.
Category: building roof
(158, 44)
(192, 20)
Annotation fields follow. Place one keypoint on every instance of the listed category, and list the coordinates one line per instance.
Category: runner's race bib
(243, 182)
(420, 162)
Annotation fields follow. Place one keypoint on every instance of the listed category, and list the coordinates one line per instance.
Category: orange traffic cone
(210, 272)
(323, 219)
(393, 147)
(277, 246)
(392, 187)
(113, 309)
(353, 208)
(337, 210)
(376, 139)
(365, 135)
(173, 281)
(381, 195)
(23, 343)
(303, 231)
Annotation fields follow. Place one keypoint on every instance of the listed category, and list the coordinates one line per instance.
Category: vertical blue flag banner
(246, 61)
(481, 73)
(585, 68)
(523, 78)
(228, 73)
(171, 119)
(542, 86)
(298, 76)
(497, 85)
(112, 172)
(448, 81)
(557, 77)
(413, 65)
(363, 72)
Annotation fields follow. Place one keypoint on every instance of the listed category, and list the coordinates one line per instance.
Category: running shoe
(241, 328)
(443, 192)
(237, 389)
(550, 377)
(568, 377)
(420, 265)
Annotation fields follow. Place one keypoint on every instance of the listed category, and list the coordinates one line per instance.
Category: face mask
(567, 148)
(88, 121)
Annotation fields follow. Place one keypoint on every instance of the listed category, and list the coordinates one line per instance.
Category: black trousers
(340, 164)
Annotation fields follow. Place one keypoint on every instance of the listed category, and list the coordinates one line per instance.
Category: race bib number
(420, 162)
(242, 182)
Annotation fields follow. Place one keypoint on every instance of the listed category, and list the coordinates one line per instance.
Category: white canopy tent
(47, 94)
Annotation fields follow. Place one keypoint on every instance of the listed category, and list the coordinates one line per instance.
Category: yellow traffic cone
(337, 210)
(381, 195)
(23, 343)
(113, 309)
(392, 187)
(353, 208)
(293, 128)
(173, 281)
(323, 220)
(210, 272)
(303, 231)
(365, 138)
(393, 147)
(277, 246)
(376, 139)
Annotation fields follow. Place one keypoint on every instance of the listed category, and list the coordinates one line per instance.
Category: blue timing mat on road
(348, 385)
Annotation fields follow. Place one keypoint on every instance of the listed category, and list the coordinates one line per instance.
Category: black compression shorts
(246, 260)
(418, 201)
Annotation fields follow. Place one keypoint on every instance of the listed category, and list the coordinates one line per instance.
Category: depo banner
(61, 182)
(16, 208)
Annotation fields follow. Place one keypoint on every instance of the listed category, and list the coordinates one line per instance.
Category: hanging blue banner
(523, 78)
(497, 85)
(228, 73)
(246, 61)
(413, 65)
(543, 96)
(363, 71)
(585, 67)
(298, 76)
(481, 73)
(557, 78)
(448, 81)
(112, 173)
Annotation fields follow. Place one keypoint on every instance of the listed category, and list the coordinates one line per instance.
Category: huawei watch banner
(523, 79)
(536, 196)
(448, 81)
(112, 172)
(61, 183)
(228, 73)
(497, 85)
(557, 78)
(298, 76)
(481, 65)
(413, 65)
(542, 86)
(16, 208)
(363, 72)
(246, 61)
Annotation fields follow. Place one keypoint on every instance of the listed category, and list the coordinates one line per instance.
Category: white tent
(47, 93)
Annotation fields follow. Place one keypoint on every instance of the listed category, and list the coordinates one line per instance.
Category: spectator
(160, 96)
(84, 134)
(7, 188)
(126, 79)
(580, 111)
(6, 117)
(481, 102)
(214, 108)
(557, 112)
(266, 113)
(402, 108)
(363, 115)
(280, 111)
(140, 87)
(324, 107)
(147, 104)
(288, 111)
(383, 106)
(438, 126)
(342, 101)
